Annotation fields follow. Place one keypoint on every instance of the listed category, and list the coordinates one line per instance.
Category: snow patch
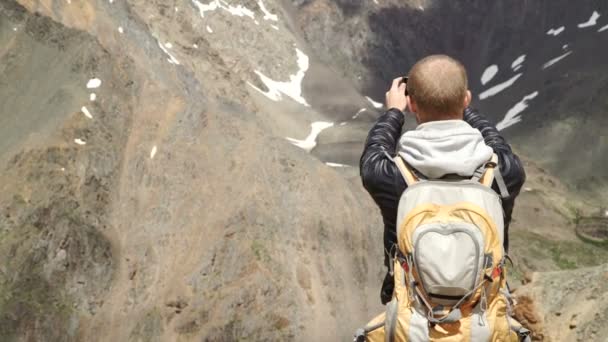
(489, 74)
(592, 20)
(93, 83)
(374, 103)
(195, 46)
(86, 112)
(275, 27)
(267, 14)
(202, 8)
(311, 140)
(171, 58)
(80, 141)
(92, 97)
(336, 165)
(556, 59)
(517, 68)
(512, 117)
(209, 29)
(120, 29)
(15, 29)
(153, 152)
(499, 87)
(343, 123)
(239, 10)
(603, 28)
(518, 61)
(359, 113)
(557, 31)
(292, 88)
(564, 47)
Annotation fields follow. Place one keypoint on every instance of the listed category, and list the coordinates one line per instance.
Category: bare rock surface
(171, 208)
(572, 305)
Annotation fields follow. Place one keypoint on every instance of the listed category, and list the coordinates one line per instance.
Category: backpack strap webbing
(390, 325)
(407, 174)
(485, 173)
(491, 172)
(504, 192)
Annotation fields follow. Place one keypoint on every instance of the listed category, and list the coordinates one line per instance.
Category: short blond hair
(438, 84)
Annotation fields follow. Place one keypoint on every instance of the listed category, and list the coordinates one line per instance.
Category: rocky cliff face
(570, 305)
(187, 171)
(169, 207)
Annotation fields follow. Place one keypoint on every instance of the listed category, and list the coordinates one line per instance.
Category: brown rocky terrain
(174, 212)
(169, 205)
(569, 305)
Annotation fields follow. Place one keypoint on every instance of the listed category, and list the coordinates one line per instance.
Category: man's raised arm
(379, 174)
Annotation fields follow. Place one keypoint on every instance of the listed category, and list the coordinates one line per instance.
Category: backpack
(449, 267)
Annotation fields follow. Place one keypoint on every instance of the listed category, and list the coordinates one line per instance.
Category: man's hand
(395, 97)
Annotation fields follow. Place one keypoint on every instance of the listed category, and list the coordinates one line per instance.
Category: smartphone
(404, 80)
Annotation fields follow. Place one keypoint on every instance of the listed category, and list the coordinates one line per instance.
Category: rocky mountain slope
(168, 208)
(177, 171)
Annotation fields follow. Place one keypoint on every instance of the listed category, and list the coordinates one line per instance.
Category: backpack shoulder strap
(489, 172)
(485, 173)
(407, 174)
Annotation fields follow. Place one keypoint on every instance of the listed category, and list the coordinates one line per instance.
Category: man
(451, 139)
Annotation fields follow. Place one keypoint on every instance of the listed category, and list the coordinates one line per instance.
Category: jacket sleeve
(379, 174)
(510, 165)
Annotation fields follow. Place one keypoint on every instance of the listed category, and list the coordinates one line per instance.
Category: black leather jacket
(381, 177)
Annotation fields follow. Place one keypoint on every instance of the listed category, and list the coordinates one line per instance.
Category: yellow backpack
(449, 269)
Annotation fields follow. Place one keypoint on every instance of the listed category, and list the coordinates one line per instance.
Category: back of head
(438, 85)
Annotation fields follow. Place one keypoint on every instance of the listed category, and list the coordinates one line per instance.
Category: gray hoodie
(439, 148)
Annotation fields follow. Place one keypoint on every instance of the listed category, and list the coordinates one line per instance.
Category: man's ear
(411, 104)
(467, 99)
(413, 107)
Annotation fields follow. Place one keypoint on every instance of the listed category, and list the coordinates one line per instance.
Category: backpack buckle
(496, 272)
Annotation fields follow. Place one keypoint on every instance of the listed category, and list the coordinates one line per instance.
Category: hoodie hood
(439, 148)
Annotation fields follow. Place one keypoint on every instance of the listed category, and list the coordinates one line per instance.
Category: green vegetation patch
(534, 252)
(261, 252)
